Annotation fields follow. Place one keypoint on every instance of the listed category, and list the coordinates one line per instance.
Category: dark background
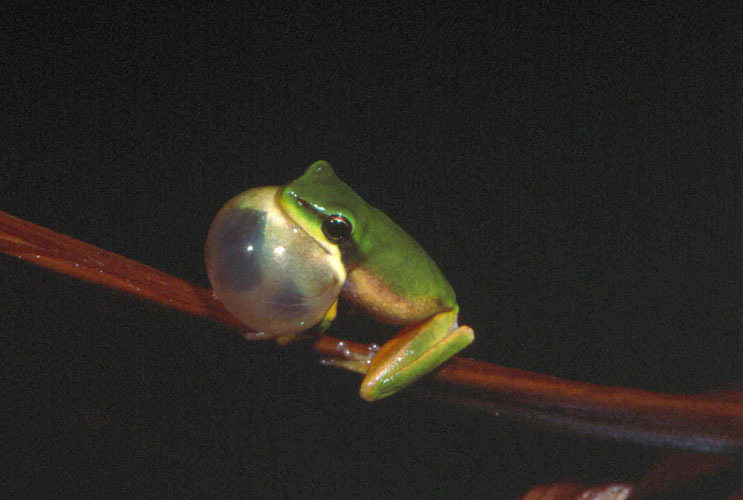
(575, 173)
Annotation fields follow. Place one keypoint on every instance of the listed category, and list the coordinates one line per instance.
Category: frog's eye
(336, 228)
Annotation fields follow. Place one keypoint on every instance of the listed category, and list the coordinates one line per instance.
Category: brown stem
(58, 252)
(705, 423)
(693, 422)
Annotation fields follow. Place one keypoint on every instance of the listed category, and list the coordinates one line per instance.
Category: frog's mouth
(306, 216)
(309, 217)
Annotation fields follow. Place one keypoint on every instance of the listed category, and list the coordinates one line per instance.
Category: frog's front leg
(312, 332)
(414, 352)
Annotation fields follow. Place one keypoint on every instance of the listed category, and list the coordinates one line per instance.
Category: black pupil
(336, 228)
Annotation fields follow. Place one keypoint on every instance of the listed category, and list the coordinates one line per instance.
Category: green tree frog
(279, 258)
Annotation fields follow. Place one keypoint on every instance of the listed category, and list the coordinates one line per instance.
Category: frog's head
(327, 209)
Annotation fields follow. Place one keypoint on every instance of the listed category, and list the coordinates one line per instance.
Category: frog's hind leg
(414, 352)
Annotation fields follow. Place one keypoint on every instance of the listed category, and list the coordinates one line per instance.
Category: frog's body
(389, 276)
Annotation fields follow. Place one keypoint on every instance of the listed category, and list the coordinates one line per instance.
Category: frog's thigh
(412, 353)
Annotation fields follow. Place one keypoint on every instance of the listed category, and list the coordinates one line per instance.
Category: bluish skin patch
(291, 300)
(239, 268)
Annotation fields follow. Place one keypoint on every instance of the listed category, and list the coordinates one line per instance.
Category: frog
(376, 267)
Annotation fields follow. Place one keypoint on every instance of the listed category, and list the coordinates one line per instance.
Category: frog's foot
(414, 352)
(350, 360)
(253, 335)
(293, 337)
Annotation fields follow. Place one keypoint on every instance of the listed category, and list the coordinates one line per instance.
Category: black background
(575, 173)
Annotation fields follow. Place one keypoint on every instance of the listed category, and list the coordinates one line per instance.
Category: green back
(377, 243)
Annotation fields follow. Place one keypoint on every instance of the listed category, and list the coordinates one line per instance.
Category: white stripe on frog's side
(367, 292)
